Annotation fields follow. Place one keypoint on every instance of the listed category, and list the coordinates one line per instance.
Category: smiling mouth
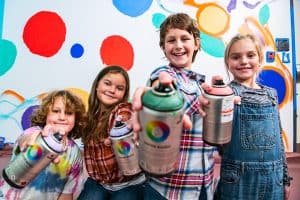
(179, 54)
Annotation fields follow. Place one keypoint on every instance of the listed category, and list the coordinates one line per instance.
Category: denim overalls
(252, 166)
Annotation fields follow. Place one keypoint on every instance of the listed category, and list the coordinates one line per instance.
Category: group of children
(253, 163)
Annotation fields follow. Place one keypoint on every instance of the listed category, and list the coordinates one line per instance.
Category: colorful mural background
(47, 45)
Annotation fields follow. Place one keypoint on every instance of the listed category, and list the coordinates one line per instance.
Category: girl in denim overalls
(253, 163)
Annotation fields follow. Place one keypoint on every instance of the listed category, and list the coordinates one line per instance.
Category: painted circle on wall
(275, 80)
(44, 33)
(25, 121)
(117, 50)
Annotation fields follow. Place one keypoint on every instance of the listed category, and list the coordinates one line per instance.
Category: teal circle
(157, 19)
(211, 45)
(8, 53)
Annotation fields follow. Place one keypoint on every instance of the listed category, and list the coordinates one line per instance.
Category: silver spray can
(161, 121)
(217, 124)
(27, 165)
(125, 149)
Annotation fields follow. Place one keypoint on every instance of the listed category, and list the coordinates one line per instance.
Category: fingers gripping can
(161, 120)
(27, 165)
(125, 149)
(217, 124)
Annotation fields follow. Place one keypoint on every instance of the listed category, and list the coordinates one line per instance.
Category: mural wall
(47, 45)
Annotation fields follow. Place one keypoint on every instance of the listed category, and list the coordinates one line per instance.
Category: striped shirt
(195, 163)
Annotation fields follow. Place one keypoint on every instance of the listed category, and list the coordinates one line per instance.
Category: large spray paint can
(217, 123)
(161, 120)
(27, 165)
(125, 149)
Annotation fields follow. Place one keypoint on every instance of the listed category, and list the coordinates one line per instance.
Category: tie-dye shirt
(64, 177)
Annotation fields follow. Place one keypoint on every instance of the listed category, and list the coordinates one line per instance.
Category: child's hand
(28, 139)
(107, 141)
(164, 78)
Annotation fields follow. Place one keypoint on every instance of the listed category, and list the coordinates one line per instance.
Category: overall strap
(271, 95)
(236, 91)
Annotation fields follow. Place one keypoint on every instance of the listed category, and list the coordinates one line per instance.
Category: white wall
(92, 22)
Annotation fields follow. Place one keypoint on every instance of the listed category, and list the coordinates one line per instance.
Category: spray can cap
(219, 82)
(54, 141)
(58, 136)
(120, 128)
(219, 88)
(163, 98)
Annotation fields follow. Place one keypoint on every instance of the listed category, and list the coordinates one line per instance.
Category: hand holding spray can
(161, 120)
(217, 124)
(125, 149)
(27, 165)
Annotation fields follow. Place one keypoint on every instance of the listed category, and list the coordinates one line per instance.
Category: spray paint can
(161, 120)
(27, 165)
(217, 124)
(125, 149)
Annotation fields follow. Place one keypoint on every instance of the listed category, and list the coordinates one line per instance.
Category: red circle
(44, 33)
(116, 50)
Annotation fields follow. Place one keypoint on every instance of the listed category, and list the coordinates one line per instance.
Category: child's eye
(120, 88)
(234, 57)
(107, 83)
(69, 113)
(251, 55)
(55, 111)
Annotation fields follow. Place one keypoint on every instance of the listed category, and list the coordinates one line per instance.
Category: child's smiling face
(179, 46)
(60, 117)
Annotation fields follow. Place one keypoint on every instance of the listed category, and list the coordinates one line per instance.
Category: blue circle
(77, 50)
(273, 79)
(132, 8)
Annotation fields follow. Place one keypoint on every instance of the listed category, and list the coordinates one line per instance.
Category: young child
(180, 42)
(253, 164)
(108, 99)
(64, 112)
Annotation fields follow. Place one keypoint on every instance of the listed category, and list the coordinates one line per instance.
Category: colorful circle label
(157, 131)
(123, 148)
(35, 152)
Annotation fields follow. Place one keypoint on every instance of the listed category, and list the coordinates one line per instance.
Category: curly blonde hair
(72, 103)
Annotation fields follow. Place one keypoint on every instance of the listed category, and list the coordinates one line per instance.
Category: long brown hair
(97, 122)
(72, 104)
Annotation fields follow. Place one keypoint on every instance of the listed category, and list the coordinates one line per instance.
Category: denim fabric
(94, 191)
(151, 193)
(252, 167)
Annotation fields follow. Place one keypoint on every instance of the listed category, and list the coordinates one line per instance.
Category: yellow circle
(82, 94)
(212, 19)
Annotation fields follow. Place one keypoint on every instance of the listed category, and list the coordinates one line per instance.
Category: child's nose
(244, 59)
(179, 43)
(62, 116)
